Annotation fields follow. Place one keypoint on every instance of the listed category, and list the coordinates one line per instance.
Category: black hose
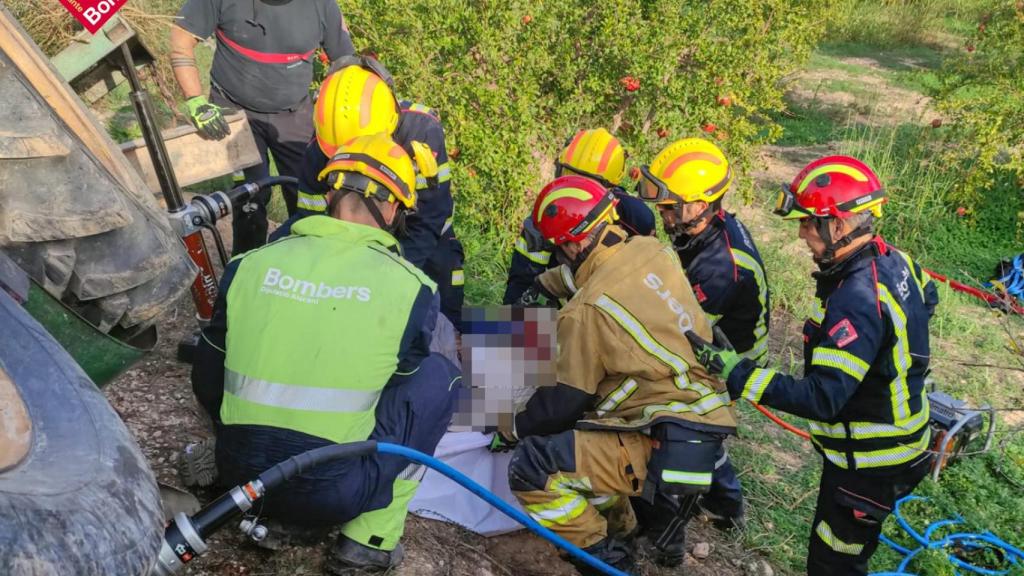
(222, 251)
(274, 181)
(284, 471)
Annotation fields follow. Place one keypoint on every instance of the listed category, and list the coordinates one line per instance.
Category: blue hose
(489, 497)
(1011, 553)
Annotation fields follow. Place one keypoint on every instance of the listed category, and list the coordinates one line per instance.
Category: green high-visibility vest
(315, 323)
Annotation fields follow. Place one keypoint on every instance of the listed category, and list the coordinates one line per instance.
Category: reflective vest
(315, 325)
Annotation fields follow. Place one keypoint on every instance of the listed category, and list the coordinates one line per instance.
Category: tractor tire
(74, 213)
(76, 495)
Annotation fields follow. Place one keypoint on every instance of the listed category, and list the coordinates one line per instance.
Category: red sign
(93, 14)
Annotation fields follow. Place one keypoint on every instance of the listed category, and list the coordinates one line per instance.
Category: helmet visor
(652, 189)
(787, 206)
(567, 170)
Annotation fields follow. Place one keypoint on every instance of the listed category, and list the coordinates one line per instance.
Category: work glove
(718, 357)
(534, 296)
(207, 118)
(502, 443)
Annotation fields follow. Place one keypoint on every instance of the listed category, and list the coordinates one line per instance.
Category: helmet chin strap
(575, 263)
(397, 223)
(682, 228)
(824, 230)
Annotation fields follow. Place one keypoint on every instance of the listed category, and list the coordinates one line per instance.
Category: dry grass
(53, 29)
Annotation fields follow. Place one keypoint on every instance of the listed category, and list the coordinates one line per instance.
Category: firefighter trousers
(578, 483)
(851, 509)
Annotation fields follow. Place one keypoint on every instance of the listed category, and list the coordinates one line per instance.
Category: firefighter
(866, 354)
(285, 365)
(263, 65)
(595, 154)
(632, 413)
(358, 98)
(687, 181)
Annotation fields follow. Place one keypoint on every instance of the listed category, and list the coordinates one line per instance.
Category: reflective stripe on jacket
(622, 347)
(317, 324)
(866, 352)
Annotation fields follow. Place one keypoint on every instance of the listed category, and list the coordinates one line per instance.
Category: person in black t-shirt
(263, 65)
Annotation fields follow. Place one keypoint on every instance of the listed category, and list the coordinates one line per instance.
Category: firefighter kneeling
(632, 413)
(865, 358)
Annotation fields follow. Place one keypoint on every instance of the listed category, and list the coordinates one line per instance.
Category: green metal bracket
(91, 63)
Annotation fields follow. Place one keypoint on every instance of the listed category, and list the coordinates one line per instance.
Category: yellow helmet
(595, 154)
(690, 169)
(374, 166)
(355, 100)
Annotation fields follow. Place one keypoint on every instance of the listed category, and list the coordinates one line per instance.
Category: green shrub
(512, 80)
(983, 95)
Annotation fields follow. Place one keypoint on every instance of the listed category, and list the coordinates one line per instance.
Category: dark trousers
(848, 519)
(445, 268)
(726, 495)
(413, 411)
(285, 136)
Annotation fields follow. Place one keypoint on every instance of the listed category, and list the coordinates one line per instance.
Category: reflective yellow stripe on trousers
(824, 531)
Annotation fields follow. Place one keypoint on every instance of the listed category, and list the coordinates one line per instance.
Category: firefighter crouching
(866, 354)
(632, 413)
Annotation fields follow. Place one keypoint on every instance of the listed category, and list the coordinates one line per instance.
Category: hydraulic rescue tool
(189, 221)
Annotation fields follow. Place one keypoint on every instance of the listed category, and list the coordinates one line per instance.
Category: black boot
(654, 519)
(350, 557)
(611, 551)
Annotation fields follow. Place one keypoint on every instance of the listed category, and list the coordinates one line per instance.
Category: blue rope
(489, 497)
(962, 539)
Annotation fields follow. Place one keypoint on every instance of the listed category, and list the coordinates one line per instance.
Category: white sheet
(439, 498)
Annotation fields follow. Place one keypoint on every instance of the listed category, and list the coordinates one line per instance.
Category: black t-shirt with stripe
(265, 48)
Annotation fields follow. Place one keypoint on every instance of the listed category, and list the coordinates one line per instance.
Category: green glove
(207, 118)
(501, 443)
(717, 358)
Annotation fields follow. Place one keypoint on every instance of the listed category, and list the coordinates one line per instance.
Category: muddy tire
(76, 495)
(74, 214)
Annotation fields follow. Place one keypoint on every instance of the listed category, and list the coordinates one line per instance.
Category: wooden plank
(195, 159)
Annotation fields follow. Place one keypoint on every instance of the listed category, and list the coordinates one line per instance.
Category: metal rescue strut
(189, 219)
(185, 537)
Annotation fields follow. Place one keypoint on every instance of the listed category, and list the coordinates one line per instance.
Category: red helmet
(569, 208)
(834, 186)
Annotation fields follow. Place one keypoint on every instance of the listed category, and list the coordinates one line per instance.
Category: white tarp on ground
(439, 498)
